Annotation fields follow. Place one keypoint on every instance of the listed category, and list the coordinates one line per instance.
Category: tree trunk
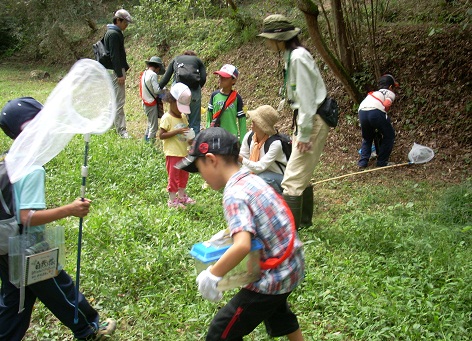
(341, 37)
(310, 10)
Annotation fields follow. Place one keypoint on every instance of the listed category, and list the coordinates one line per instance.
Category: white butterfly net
(420, 154)
(82, 103)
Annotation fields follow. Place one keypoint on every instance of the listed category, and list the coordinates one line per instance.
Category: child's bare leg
(296, 335)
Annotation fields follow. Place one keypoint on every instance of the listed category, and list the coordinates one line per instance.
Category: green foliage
(10, 87)
(192, 25)
(382, 262)
(8, 41)
(455, 208)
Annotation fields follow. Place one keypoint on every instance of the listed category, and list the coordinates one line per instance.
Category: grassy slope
(388, 256)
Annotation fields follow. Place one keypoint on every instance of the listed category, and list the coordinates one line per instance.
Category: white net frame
(83, 102)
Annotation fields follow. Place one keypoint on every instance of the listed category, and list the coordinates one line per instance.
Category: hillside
(421, 44)
(430, 59)
(434, 74)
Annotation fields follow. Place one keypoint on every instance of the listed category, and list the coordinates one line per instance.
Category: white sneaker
(125, 135)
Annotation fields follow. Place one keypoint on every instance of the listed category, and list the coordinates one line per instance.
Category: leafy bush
(200, 26)
(8, 41)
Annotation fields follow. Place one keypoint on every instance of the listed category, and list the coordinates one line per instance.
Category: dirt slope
(435, 75)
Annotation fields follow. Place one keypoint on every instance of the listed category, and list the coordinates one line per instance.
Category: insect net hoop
(83, 102)
(420, 154)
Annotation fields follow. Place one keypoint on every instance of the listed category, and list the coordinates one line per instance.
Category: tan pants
(300, 166)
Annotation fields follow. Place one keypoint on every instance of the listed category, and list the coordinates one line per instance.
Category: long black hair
(293, 43)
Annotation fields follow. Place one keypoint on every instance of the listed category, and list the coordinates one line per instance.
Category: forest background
(388, 256)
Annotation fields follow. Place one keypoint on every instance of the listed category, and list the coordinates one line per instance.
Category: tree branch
(311, 12)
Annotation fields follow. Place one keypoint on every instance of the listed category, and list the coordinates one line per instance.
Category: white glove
(207, 283)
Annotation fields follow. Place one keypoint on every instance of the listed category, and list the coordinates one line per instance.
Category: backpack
(286, 145)
(187, 74)
(8, 224)
(101, 53)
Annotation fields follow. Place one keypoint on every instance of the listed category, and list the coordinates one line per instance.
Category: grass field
(387, 258)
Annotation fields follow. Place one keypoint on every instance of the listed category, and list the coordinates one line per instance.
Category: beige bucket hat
(265, 117)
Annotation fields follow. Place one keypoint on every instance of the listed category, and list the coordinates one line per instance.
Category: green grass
(386, 259)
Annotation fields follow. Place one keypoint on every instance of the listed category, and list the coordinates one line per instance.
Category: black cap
(386, 81)
(215, 140)
(16, 113)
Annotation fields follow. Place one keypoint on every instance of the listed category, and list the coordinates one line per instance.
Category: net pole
(81, 220)
(362, 172)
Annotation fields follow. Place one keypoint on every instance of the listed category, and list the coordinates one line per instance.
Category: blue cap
(16, 113)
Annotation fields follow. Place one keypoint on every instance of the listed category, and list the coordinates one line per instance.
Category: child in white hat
(176, 136)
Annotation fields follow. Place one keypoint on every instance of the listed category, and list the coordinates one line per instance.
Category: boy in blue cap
(57, 293)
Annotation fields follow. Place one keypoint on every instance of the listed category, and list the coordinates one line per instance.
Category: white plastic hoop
(82, 103)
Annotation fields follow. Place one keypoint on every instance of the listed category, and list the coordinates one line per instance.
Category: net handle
(363, 172)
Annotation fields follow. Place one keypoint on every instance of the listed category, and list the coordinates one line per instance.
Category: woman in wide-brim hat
(305, 90)
(261, 151)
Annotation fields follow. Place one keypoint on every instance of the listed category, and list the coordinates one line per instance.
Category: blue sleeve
(30, 191)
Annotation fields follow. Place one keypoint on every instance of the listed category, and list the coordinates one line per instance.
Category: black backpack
(187, 74)
(8, 224)
(101, 53)
(286, 145)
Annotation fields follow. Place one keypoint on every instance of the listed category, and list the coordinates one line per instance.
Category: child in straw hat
(261, 152)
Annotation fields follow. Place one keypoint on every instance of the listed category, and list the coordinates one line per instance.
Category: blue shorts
(246, 310)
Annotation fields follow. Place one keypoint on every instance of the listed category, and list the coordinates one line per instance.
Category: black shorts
(246, 310)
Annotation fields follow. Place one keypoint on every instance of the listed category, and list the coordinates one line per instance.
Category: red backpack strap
(272, 263)
(148, 104)
(231, 98)
(378, 99)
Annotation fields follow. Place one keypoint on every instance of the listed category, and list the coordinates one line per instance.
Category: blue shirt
(253, 206)
(29, 192)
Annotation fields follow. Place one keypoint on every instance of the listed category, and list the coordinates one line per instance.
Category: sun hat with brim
(157, 62)
(265, 117)
(183, 96)
(278, 27)
(16, 113)
(215, 140)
